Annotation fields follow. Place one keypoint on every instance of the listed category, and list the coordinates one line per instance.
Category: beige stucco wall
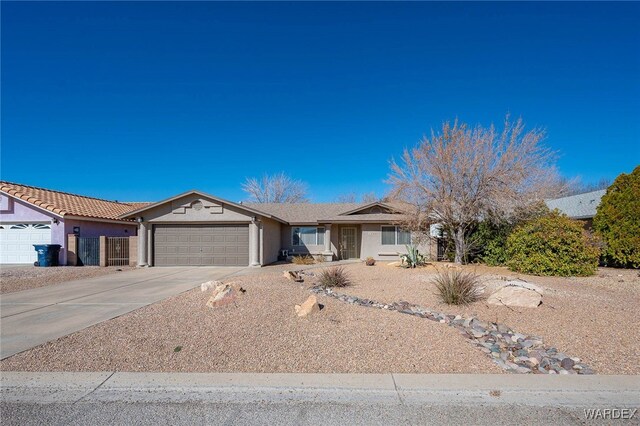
(271, 235)
(372, 245)
(212, 212)
(168, 212)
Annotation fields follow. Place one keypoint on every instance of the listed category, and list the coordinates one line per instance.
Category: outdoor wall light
(56, 221)
(139, 219)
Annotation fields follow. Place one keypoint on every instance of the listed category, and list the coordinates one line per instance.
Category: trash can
(47, 254)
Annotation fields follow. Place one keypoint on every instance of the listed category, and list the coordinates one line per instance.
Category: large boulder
(517, 293)
(225, 294)
(308, 307)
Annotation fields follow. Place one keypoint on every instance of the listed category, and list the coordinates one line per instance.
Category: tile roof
(63, 203)
(580, 206)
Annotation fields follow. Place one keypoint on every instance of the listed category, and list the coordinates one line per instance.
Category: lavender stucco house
(31, 215)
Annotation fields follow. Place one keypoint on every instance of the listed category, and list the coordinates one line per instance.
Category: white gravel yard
(592, 318)
(25, 277)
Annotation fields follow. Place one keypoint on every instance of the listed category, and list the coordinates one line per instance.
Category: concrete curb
(445, 389)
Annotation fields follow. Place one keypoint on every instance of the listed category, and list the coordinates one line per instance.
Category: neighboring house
(580, 206)
(195, 228)
(31, 215)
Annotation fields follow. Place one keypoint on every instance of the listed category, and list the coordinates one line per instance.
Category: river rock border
(512, 351)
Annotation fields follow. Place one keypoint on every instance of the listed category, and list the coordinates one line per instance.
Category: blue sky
(140, 101)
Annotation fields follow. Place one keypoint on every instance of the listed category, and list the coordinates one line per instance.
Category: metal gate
(117, 251)
(88, 251)
(442, 247)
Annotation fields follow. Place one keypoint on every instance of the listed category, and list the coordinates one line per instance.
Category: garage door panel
(201, 245)
(17, 240)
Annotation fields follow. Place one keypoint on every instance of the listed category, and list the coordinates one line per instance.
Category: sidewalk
(532, 390)
(106, 398)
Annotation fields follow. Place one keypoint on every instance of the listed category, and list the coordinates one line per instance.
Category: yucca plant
(334, 277)
(457, 287)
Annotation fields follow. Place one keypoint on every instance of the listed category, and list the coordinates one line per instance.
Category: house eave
(132, 214)
(98, 219)
(39, 208)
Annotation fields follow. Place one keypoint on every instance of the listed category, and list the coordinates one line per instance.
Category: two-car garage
(200, 245)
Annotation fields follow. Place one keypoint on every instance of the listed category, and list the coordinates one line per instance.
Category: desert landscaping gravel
(18, 278)
(260, 333)
(593, 318)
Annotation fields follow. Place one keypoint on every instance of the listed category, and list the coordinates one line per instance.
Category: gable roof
(136, 212)
(580, 206)
(66, 204)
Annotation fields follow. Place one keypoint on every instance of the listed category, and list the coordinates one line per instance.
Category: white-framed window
(394, 235)
(307, 236)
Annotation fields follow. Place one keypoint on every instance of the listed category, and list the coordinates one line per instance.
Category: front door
(348, 243)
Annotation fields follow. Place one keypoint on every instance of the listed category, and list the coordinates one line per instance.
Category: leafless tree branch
(461, 175)
(277, 188)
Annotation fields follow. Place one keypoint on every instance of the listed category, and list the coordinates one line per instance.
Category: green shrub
(334, 277)
(617, 221)
(457, 287)
(552, 245)
(490, 241)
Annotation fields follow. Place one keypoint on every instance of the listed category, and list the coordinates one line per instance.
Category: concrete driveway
(36, 316)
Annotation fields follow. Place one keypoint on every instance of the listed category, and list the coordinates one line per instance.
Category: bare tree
(277, 188)
(369, 197)
(577, 186)
(352, 197)
(462, 175)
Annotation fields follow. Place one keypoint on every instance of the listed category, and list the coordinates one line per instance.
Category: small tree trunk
(458, 239)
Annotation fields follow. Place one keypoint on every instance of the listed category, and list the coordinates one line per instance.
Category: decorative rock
(309, 306)
(512, 351)
(223, 294)
(567, 363)
(503, 328)
(516, 296)
(293, 276)
(209, 285)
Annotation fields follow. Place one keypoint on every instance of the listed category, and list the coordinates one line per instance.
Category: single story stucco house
(195, 228)
(30, 215)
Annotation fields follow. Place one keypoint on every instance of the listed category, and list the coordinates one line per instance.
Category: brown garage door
(201, 245)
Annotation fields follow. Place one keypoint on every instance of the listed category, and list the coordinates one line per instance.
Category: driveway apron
(36, 316)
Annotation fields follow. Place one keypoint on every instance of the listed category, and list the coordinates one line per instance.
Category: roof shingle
(580, 206)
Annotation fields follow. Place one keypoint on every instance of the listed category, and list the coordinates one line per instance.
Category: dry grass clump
(334, 277)
(457, 287)
(303, 260)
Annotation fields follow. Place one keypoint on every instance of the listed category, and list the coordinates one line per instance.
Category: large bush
(489, 242)
(552, 245)
(617, 221)
(489, 238)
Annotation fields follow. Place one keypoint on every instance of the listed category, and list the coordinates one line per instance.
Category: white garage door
(17, 240)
